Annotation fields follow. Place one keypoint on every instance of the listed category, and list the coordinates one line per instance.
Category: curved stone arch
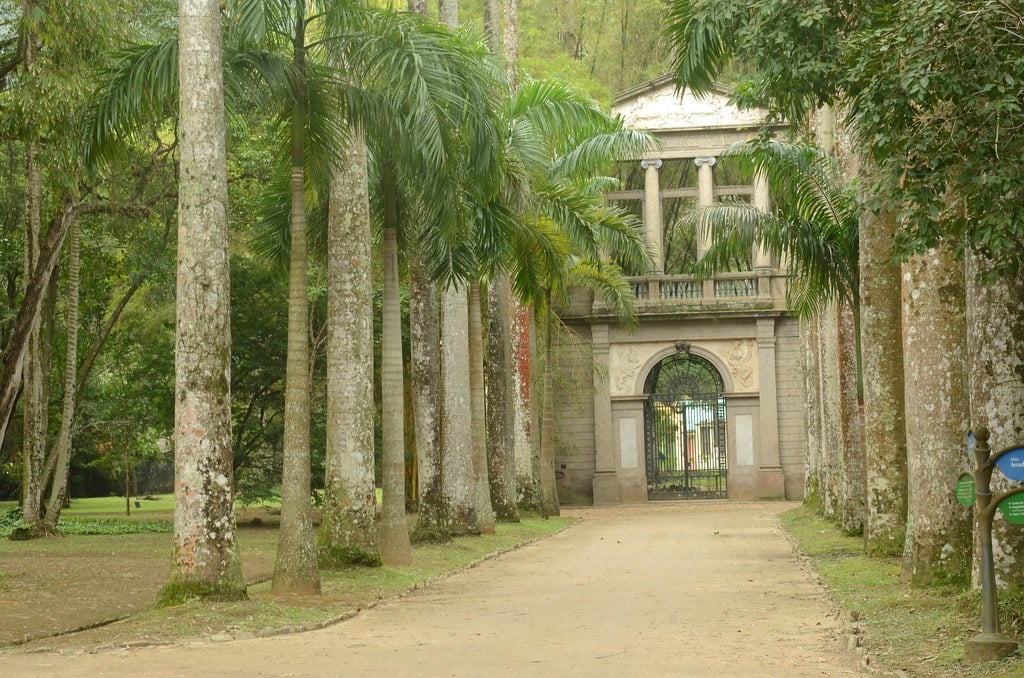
(716, 362)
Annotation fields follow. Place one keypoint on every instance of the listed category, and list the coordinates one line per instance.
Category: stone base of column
(989, 647)
(771, 483)
(606, 489)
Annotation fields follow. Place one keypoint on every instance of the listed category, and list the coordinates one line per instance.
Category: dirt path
(699, 589)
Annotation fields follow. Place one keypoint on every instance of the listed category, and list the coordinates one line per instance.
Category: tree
(557, 141)
(205, 561)
(348, 533)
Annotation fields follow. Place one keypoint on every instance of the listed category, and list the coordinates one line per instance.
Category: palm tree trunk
(995, 359)
(830, 463)
(851, 427)
(523, 411)
(59, 488)
(425, 345)
(456, 416)
(295, 570)
(813, 476)
(510, 23)
(205, 559)
(546, 468)
(348, 532)
(938, 544)
(498, 372)
(481, 483)
(885, 438)
(395, 546)
(35, 405)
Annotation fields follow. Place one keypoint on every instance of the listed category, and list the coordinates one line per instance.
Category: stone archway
(685, 429)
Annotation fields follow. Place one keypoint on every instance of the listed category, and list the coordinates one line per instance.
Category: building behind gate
(706, 398)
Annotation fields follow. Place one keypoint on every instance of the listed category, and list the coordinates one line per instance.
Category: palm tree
(445, 109)
(205, 560)
(814, 229)
(555, 141)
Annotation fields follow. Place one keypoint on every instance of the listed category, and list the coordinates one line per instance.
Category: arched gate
(684, 426)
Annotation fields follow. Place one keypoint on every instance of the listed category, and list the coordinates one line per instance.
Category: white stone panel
(744, 439)
(627, 443)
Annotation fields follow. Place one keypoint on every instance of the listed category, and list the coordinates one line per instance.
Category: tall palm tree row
(470, 178)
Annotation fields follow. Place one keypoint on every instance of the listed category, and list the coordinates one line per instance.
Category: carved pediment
(655, 106)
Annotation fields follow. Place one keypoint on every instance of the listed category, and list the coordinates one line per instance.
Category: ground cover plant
(918, 630)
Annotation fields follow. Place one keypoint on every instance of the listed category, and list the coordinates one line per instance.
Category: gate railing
(685, 447)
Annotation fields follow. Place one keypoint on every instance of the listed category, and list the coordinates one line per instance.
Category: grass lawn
(921, 631)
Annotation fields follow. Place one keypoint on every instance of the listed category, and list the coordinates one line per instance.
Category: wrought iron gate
(685, 446)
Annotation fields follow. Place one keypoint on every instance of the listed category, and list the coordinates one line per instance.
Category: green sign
(1013, 508)
(965, 489)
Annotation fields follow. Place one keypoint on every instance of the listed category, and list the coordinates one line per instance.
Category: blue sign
(1011, 463)
(971, 444)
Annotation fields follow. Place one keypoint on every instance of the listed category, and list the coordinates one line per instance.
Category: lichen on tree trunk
(348, 530)
(995, 358)
(205, 558)
(885, 440)
(938, 543)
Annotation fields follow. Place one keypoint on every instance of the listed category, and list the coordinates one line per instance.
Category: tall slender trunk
(348, 532)
(510, 25)
(548, 499)
(205, 558)
(425, 346)
(498, 365)
(481, 482)
(295, 570)
(492, 25)
(448, 12)
(456, 418)
(830, 461)
(885, 437)
(62, 452)
(938, 544)
(813, 481)
(36, 376)
(995, 359)
(851, 428)
(456, 415)
(499, 417)
(394, 539)
(523, 427)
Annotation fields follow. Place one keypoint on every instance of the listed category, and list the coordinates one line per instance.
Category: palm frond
(141, 88)
(698, 34)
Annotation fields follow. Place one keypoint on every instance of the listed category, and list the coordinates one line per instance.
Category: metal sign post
(990, 644)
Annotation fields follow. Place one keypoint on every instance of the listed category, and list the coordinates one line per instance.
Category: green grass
(921, 631)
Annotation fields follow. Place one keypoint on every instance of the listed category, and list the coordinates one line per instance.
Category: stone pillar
(653, 228)
(771, 479)
(705, 198)
(606, 482)
(762, 259)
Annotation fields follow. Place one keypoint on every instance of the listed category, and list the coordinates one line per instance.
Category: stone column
(606, 482)
(705, 198)
(761, 201)
(653, 227)
(771, 479)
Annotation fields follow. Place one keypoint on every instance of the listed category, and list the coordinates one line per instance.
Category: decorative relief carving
(741, 359)
(629, 366)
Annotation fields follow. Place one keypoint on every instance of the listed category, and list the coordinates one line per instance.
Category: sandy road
(689, 589)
